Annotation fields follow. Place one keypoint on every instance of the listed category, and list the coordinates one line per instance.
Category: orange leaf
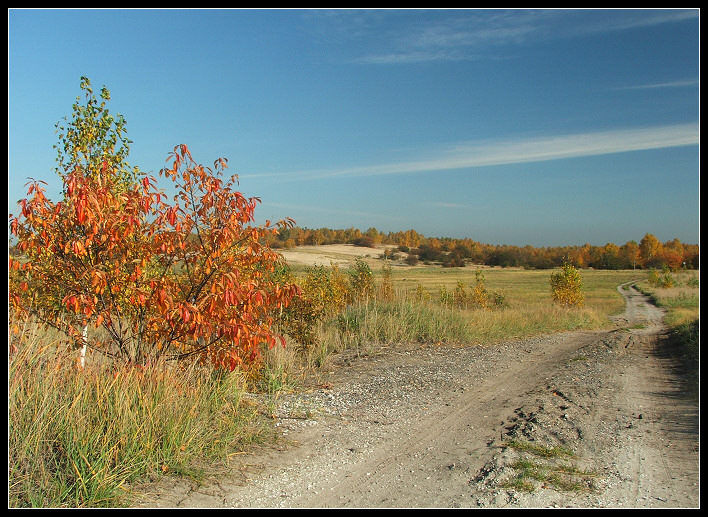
(80, 214)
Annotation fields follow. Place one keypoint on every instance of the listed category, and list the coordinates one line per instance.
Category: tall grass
(528, 309)
(79, 438)
(415, 313)
(682, 303)
(406, 321)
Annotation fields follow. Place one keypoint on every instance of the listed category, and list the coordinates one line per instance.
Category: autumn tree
(187, 278)
(92, 146)
(608, 257)
(650, 250)
(94, 140)
(374, 235)
(630, 254)
(566, 286)
(673, 254)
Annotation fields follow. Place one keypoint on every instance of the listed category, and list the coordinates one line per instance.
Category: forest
(412, 247)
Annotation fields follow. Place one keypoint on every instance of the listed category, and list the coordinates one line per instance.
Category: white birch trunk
(82, 354)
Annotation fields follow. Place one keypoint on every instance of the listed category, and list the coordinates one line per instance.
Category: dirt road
(452, 427)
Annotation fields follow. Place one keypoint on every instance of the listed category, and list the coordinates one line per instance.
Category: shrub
(361, 281)
(323, 292)
(364, 241)
(412, 260)
(149, 278)
(386, 285)
(480, 296)
(153, 279)
(665, 279)
(566, 285)
(421, 294)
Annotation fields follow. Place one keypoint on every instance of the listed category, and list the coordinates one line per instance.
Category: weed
(544, 470)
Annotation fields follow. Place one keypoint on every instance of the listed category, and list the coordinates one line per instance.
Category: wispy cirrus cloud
(444, 204)
(659, 86)
(461, 35)
(473, 33)
(519, 150)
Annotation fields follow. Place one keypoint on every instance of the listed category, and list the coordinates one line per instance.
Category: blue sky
(541, 127)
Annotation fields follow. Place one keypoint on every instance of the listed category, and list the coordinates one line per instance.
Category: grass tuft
(544, 469)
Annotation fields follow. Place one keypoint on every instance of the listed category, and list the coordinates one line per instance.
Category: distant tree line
(412, 247)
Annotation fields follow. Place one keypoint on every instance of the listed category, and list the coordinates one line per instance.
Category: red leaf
(80, 212)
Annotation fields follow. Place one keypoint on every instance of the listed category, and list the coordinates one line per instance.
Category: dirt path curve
(432, 427)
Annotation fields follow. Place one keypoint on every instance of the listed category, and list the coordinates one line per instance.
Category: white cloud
(325, 210)
(521, 150)
(673, 84)
(443, 204)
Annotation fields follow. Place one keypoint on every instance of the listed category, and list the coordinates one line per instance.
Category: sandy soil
(338, 254)
(435, 427)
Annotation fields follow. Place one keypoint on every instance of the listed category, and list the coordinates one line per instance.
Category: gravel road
(451, 427)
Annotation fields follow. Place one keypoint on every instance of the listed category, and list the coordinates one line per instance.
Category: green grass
(528, 310)
(546, 467)
(522, 288)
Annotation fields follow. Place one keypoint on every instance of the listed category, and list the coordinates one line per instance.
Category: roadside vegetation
(81, 437)
(429, 305)
(679, 294)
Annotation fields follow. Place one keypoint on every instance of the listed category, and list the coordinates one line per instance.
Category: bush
(412, 260)
(361, 281)
(119, 269)
(364, 241)
(565, 286)
(385, 291)
(480, 296)
(323, 292)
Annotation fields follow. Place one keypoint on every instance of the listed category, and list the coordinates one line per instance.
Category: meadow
(83, 438)
(423, 310)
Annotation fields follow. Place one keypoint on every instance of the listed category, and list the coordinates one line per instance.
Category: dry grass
(79, 438)
(415, 314)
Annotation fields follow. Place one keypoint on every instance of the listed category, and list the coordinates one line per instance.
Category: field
(339, 254)
(525, 307)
